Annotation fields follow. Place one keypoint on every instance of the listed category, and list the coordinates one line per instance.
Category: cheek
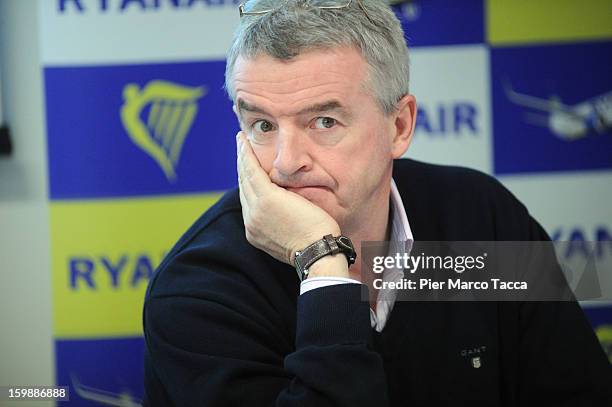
(352, 174)
(373, 152)
(371, 161)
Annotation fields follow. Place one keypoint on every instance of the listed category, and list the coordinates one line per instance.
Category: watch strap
(328, 245)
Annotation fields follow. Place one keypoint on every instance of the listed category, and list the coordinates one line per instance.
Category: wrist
(339, 249)
(330, 266)
(310, 239)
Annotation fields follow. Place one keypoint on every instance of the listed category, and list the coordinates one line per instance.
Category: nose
(292, 153)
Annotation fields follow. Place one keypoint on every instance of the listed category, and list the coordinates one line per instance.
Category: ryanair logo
(158, 118)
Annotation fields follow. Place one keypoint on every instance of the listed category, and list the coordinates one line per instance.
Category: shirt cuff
(320, 282)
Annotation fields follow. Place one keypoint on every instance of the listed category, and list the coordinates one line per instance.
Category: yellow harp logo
(170, 114)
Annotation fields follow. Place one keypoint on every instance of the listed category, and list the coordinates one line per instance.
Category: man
(321, 93)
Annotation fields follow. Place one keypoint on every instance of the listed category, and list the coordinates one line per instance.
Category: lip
(306, 188)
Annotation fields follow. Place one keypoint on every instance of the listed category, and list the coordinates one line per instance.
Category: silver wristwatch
(329, 245)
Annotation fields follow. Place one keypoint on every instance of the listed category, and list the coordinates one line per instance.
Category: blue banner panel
(552, 108)
(101, 371)
(442, 22)
(601, 319)
(139, 130)
(599, 315)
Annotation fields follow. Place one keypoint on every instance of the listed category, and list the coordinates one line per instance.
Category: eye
(262, 126)
(324, 123)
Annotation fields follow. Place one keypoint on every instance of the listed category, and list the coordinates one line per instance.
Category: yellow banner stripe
(544, 21)
(103, 253)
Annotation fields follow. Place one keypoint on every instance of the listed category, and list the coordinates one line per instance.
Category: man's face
(317, 131)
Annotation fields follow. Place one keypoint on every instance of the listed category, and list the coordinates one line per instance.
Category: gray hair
(292, 28)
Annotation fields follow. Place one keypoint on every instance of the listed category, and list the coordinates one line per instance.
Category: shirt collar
(401, 235)
(400, 228)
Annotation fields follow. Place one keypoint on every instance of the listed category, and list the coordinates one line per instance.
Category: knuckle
(250, 230)
(249, 236)
(255, 222)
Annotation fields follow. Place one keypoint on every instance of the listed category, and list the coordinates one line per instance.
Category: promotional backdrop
(140, 139)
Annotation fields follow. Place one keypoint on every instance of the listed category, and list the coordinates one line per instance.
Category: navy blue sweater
(225, 325)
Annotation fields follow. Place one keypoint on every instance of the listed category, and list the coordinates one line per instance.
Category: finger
(249, 169)
(244, 204)
(247, 194)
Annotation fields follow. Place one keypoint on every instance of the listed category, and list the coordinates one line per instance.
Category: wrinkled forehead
(341, 71)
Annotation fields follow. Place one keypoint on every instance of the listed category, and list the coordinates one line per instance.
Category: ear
(403, 126)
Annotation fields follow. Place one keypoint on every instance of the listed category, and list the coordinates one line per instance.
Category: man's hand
(276, 221)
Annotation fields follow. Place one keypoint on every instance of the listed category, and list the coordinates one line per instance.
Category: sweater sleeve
(225, 350)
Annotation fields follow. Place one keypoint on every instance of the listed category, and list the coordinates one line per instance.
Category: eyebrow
(328, 106)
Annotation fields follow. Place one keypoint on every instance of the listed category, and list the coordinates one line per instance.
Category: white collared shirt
(400, 232)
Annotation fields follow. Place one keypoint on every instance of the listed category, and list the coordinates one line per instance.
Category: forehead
(311, 77)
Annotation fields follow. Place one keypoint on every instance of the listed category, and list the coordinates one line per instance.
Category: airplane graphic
(103, 397)
(591, 117)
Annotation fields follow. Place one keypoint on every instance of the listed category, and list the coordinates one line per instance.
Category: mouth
(305, 188)
(308, 191)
